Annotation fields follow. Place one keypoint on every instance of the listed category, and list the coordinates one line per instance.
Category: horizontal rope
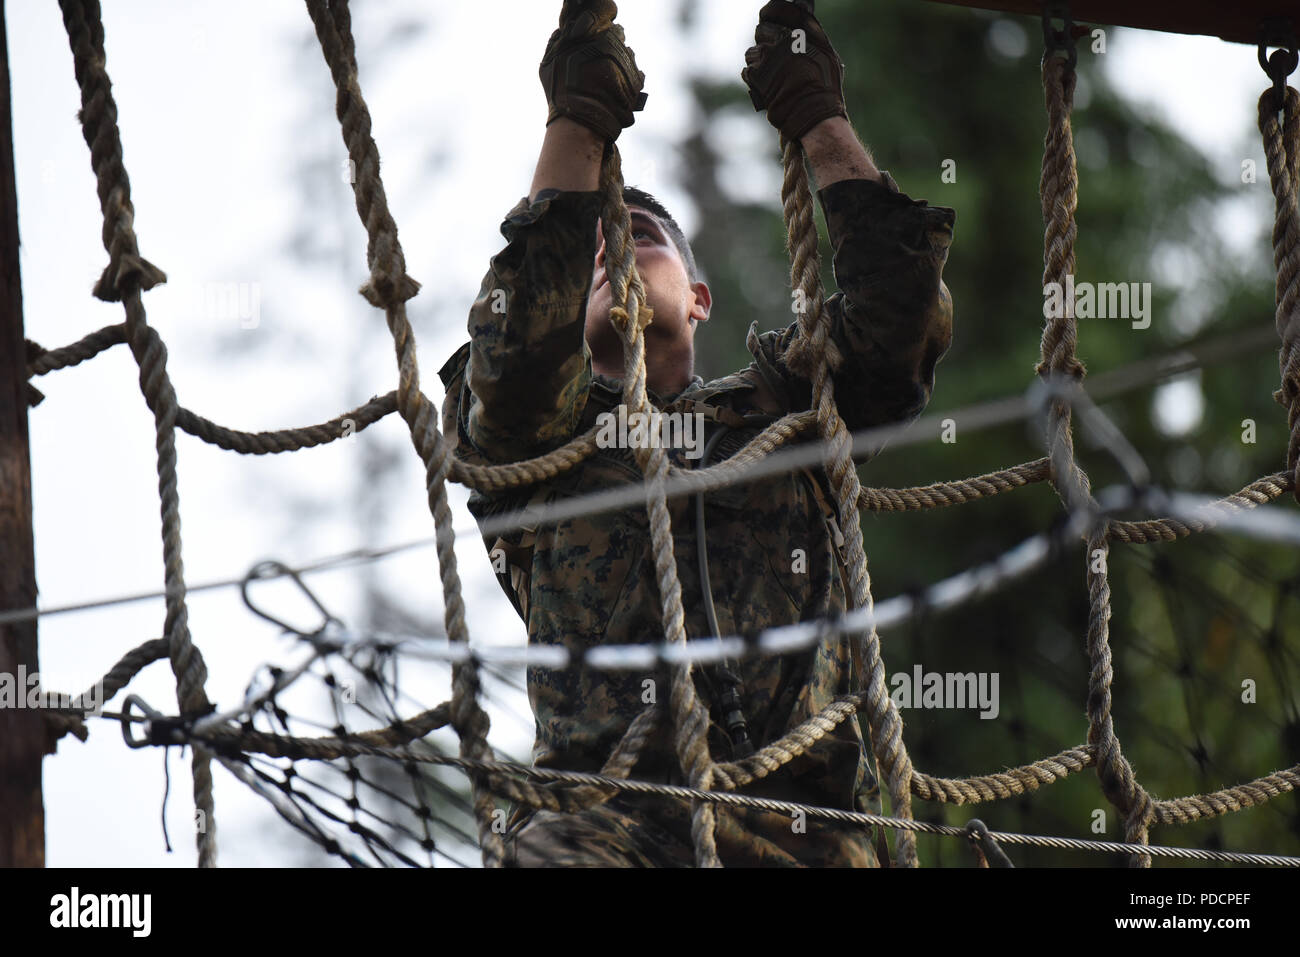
(1196, 807)
(943, 494)
(492, 772)
(1259, 492)
(114, 680)
(1212, 515)
(746, 465)
(1003, 784)
(41, 360)
(384, 742)
(232, 440)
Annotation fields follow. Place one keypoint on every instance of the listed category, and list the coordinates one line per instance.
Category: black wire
(167, 788)
(728, 702)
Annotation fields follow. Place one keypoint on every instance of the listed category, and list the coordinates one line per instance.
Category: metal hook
(275, 569)
(1278, 32)
(1063, 39)
(128, 721)
(986, 847)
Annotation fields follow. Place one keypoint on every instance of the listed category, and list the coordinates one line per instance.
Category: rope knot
(128, 270)
(467, 717)
(1137, 823)
(622, 320)
(384, 292)
(1069, 365)
(60, 724)
(802, 356)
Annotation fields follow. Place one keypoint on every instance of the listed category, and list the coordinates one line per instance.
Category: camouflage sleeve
(892, 317)
(529, 366)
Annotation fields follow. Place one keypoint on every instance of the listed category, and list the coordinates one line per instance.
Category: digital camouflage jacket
(523, 385)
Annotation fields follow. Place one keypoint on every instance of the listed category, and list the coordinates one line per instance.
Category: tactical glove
(797, 78)
(589, 73)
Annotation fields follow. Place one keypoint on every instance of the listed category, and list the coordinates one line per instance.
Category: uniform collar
(614, 386)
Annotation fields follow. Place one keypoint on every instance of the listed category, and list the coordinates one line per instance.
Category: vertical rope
(631, 315)
(1058, 189)
(1118, 782)
(388, 288)
(124, 278)
(1282, 150)
(813, 354)
(1059, 193)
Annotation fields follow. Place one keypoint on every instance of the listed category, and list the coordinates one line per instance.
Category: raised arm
(892, 318)
(593, 90)
(794, 74)
(528, 366)
(835, 153)
(570, 159)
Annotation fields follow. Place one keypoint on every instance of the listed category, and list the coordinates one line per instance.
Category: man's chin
(602, 338)
(597, 317)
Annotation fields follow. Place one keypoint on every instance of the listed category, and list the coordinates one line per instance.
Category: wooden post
(22, 730)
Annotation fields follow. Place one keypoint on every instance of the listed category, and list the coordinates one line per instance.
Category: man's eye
(642, 232)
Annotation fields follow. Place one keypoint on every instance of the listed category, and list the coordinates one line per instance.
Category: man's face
(670, 293)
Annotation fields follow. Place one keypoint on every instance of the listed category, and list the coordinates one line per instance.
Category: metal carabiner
(127, 721)
(275, 569)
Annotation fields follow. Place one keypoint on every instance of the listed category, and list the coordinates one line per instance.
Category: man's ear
(703, 302)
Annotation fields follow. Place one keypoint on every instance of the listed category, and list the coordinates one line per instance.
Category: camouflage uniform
(524, 386)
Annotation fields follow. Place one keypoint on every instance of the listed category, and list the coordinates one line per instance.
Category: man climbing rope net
(544, 363)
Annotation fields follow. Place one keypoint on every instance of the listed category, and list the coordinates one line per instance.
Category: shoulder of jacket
(454, 368)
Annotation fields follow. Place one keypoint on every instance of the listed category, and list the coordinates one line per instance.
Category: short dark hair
(632, 196)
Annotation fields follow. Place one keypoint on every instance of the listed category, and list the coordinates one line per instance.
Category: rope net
(384, 789)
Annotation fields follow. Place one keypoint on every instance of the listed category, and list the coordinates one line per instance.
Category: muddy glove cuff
(589, 73)
(796, 76)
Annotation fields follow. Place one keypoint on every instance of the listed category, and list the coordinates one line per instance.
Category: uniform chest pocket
(583, 570)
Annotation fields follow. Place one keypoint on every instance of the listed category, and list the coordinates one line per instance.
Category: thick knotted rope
(943, 494)
(1196, 807)
(388, 288)
(630, 316)
(126, 275)
(1282, 150)
(113, 681)
(1259, 492)
(1118, 782)
(814, 354)
(1059, 191)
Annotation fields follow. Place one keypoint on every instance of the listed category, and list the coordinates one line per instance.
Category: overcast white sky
(222, 107)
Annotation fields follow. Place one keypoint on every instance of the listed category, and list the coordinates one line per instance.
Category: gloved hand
(589, 73)
(798, 89)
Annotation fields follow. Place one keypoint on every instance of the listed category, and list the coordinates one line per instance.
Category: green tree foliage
(927, 83)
